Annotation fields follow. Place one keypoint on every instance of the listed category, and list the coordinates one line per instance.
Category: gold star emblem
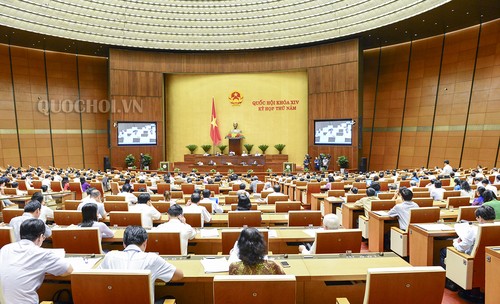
(214, 122)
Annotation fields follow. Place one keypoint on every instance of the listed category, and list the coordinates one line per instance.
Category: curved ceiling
(190, 25)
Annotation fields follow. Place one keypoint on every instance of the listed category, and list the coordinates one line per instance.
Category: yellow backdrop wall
(273, 111)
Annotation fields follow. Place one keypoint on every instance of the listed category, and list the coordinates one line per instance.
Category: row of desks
(320, 278)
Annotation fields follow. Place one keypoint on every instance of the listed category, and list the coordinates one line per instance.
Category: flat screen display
(136, 133)
(333, 132)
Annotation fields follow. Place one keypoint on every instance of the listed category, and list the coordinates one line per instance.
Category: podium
(235, 145)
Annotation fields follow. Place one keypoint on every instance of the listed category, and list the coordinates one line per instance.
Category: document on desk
(430, 227)
(59, 252)
(312, 232)
(272, 233)
(82, 263)
(215, 265)
(206, 233)
(381, 213)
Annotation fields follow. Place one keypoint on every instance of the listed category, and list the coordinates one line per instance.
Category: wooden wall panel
(443, 81)
(54, 138)
(332, 76)
(370, 74)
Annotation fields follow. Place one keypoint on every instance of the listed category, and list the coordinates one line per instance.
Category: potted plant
(269, 170)
(177, 170)
(194, 170)
(213, 171)
(130, 161)
(192, 148)
(230, 171)
(146, 161)
(280, 147)
(222, 148)
(250, 171)
(263, 148)
(206, 148)
(343, 163)
(248, 147)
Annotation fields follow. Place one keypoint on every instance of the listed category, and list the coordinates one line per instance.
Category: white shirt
(22, 269)
(194, 208)
(437, 193)
(467, 241)
(129, 197)
(402, 211)
(16, 222)
(215, 207)
(447, 169)
(45, 213)
(148, 214)
(133, 258)
(101, 212)
(470, 194)
(104, 230)
(175, 225)
(492, 188)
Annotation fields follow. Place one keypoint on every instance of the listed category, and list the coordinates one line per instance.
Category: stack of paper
(381, 213)
(272, 233)
(205, 233)
(215, 265)
(430, 227)
(82, 263)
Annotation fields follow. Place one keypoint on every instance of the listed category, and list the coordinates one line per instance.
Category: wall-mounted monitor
(134, 133)
(333, 132)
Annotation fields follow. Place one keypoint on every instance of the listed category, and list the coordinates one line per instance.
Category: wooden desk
(492, 269)
(299, 193)
(350, 214)
(331, 203)
(316, 200)
(424, 246)
(320, 278)
(291, 192)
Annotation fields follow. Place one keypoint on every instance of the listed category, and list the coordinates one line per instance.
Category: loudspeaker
(107, 163)
(363, 164)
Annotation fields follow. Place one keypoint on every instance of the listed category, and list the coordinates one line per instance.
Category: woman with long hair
(252, 252)
(89, 219)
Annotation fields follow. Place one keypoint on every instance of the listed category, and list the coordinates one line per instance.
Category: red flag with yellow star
(214, 126)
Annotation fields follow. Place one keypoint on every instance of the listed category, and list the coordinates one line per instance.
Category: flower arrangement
(235, 135)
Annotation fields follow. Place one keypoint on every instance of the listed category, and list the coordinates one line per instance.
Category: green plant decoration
(222, 148)
(206, 148)
(263, 148)
(130, 160)
(280, 147)
(343, 162)
(248, 147)
(192, 148)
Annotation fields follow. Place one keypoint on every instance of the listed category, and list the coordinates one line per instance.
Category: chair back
(33, 191)
(77, 240)
(187, 188)
(487, 235)
(445, 182)
(36, 184)
(244, 218)
(384, 186)
(230, 236)
(447, 194)
(338, 241)
(162, 187)
(164, 242)
(423, 201)
(125, 218)
(162, 207)
(272, 199)
(419, 189)
(405, 183)
(337, 186)
(71, 204)
(457, 201)
(421, 194)
(56, 186)
(98, 186)
(385, 195)
(336, 192)
(259, 187)
(9, 213)
(67, 217)
(112, 286)
(213, 187)
(424, 215)
(235, 187)
(138, 186)
(176, 194)
(231, 199)
(6, 236)
(195, 219)
(405, 285)
(10, 191)
(467, 213)
(115, 206)
(423, 182)
(287, 206)
(351, 198)
(304, 218)
(207, 205)
(114, 198)
(359, 185)
(77, 188)
(235, 206)
(115, 188)
(229, 289)
(377, 205)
